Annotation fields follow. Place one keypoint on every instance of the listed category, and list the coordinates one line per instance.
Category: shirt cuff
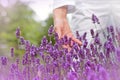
(69, 3)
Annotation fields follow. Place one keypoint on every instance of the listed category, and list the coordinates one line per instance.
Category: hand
(63, 29)
(61, 25)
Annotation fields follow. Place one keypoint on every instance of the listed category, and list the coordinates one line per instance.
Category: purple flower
(56, 46)
(47, 59)
(84, 36)
(95, 19)
(55, 77)
(85, 44)
(69, 41)
(36, 78)
(50, 30)
(72, 76)
(90, 64)
(92, 47)
(22, 41)
(12, 52)
(44, 41)
(103, 74)
(68, 58)
(81, 54)
(56, 37)
(80, 38)
(97, 40)
(117, 50)
(111, 29)
(76, 47)
(4, 60)
(108, 30)
(97, 34)
(33, 50)
(92, 32)
(65, 39)
(101, 55)
(18, 32)
(17, 61)
(65, 50)
(13, 67)
(88, 53)
(92, 76)
(27, 45)
(50, 61)
(77, 34)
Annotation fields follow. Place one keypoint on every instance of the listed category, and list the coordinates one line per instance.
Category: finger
(70, 35)
(67, 46)
(77, 41)
(71, 43)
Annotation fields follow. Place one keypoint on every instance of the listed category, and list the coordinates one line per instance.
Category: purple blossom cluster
(91, 61)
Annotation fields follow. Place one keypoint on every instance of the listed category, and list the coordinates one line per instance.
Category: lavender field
(97, 60)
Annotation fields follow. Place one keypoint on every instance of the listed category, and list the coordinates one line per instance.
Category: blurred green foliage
(20, 15)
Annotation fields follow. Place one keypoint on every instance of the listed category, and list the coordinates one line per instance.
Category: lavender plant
(92, 61)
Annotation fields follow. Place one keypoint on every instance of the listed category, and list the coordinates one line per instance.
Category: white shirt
(108, 12)
(70, 4)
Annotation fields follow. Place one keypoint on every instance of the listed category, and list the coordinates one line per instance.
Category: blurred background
(32, 16)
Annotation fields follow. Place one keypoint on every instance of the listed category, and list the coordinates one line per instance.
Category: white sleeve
(69, 3)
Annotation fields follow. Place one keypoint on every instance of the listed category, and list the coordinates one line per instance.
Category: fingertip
(77, 41)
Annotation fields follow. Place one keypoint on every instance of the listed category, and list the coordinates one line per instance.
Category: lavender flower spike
(18, 32)
(50, 30)
(95, 19)
(12, 52)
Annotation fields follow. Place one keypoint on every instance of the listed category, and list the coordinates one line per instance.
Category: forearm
(60, 15)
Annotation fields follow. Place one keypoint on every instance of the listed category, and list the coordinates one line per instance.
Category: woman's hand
(61, 25)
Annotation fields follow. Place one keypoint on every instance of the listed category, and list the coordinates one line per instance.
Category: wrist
(59, 21)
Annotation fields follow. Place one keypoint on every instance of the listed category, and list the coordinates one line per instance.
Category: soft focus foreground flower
(72, 76)
(118, 53)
